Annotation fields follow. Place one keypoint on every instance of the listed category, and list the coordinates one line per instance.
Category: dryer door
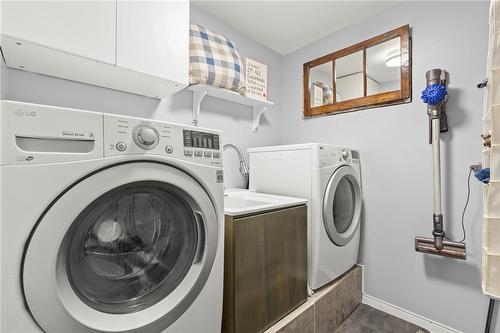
(127, 248)
(342, 205)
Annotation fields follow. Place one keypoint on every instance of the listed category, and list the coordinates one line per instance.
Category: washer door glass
(131, 247)
(342, 205)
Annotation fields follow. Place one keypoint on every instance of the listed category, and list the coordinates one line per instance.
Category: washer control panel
(201, 144)
(199, 139)
(129, 135)
(328, 155)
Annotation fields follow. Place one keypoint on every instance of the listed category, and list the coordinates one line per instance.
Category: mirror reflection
(321, 84)
(383, 67)
(349, 76)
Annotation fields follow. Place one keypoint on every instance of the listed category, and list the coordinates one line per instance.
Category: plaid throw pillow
(214, 60)
(327, 92)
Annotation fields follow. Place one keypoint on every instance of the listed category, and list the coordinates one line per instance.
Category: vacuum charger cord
(464, 210)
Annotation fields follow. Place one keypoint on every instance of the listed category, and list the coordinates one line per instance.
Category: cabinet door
(83, 28)
(269, 267)
(153, 38)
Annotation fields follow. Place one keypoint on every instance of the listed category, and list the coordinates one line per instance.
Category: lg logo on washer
(21, 113)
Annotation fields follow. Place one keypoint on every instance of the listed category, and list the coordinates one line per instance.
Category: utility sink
(240, 202)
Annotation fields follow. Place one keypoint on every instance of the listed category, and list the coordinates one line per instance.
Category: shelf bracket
(257, 113)
(199, 93)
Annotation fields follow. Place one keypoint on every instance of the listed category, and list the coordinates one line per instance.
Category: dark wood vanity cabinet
(265, 268)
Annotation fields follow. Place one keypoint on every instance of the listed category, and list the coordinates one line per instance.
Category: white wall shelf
(201, 90)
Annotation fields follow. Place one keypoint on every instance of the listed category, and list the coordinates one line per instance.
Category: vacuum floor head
(450, 249)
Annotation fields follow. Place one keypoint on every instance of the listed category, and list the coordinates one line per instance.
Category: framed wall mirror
(373, 73)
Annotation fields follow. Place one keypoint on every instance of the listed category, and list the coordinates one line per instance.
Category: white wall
(396, 160)
(372, 86)
(350, 86)
(234, 120)
(389, 85)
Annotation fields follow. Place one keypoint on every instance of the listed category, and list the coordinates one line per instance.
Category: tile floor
(366, 319)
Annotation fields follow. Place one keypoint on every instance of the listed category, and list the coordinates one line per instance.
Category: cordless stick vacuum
(435, 96)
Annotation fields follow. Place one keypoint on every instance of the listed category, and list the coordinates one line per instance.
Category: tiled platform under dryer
(337, 308)
(327, 309)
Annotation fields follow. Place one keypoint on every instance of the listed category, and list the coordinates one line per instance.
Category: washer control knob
(121, 146)
(145, 136)
(169, 149)
(345, 154)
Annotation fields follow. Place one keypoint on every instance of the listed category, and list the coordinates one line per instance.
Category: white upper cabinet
(84, 28)
(141, 47)
(153, 38)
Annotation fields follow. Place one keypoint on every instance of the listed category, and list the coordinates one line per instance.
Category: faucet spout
(244, 171)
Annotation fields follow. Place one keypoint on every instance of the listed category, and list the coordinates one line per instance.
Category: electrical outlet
(476, 167)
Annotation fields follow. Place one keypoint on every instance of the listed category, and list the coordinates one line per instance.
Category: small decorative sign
(317, 93)
(256, 80)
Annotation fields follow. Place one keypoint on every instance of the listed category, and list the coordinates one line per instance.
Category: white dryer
(329, 178)
(108, 223)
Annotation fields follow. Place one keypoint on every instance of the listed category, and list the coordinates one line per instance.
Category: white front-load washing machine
(329, 178)
(108, 223)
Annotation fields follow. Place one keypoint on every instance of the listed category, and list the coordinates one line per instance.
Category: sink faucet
(243, 164)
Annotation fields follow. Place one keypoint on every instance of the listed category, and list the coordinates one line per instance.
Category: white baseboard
(411, 317)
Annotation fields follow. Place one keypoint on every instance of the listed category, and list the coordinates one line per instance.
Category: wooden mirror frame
(403, 95)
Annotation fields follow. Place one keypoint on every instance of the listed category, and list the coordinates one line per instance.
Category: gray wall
(234, 120)
(396, 160)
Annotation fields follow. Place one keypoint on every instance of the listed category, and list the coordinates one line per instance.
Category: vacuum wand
(435, 96)
(437, 217)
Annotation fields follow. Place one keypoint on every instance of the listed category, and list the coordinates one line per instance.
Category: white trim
(411, 317)
(362, 277)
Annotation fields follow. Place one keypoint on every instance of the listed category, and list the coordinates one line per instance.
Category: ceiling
(286, 26)
(375, 61)
(376, 68)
